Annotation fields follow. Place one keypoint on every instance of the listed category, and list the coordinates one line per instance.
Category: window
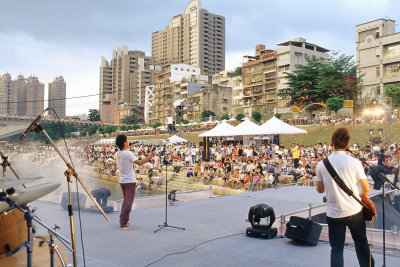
(378, 71)
(377, 52)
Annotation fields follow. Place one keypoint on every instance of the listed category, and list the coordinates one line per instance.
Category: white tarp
(175, 140)
(276, 126)
(247, 127)
(222, 129)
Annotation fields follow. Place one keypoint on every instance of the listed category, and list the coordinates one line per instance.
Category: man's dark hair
(341, 138)
(120, 140)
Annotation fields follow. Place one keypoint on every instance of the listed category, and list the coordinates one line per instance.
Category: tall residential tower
(196, 38)
(57, 95)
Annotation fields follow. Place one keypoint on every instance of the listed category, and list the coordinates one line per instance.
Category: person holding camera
(125, 160)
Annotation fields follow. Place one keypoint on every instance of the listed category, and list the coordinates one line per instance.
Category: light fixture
(380, 131)
(256, 213)
(371, 131)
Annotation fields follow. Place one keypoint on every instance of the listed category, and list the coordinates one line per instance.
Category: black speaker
(261, 233)
(82, 200)
(304, 230)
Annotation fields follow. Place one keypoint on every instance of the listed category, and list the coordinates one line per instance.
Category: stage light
(380, 131)
(378, 112)
(367, 112)
(371, 131)
(256, 213)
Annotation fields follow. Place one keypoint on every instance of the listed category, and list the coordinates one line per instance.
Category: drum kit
(19, 244)
(14, 209)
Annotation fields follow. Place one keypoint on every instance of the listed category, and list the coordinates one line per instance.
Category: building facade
(196, 37)
(291, 54)
(378, 57)
(57, 97)
(21, 97)
(259, 82)
(126, 76)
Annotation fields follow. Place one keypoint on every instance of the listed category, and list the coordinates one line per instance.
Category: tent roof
(247, 127)
(276, 126)
(222, 129)
(175, 139)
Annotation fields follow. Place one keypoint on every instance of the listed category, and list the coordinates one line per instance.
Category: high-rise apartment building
(57, 96)
(34, 92)
(259, 82)
(124, 80)
(378, 57)
(22, 97)
(291, 54)
(196, 37)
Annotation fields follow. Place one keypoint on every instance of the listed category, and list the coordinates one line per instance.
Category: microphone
(33, 125)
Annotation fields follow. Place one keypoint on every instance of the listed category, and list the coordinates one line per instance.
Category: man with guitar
(342, 210)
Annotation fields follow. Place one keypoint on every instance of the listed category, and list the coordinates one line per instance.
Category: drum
(13, 231)
(40, 255)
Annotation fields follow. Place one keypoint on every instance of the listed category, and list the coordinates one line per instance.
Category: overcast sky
(48, 38)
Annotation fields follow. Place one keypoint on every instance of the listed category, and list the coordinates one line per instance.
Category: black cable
(76, 183)
(186, 251)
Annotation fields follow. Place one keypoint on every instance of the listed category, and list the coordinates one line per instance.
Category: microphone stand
(68, 173)
(162, 226)
(6, 164)
(384, 179)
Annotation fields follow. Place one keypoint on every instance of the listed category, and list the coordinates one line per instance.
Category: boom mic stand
(68, 173)
(162, 226)
(384, 179)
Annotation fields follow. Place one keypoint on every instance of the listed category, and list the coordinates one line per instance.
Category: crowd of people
(240, 167)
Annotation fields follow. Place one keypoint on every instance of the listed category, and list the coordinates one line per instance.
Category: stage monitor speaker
(82, 200)
(303, 230)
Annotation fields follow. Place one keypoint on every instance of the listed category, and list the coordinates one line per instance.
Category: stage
(214, 235)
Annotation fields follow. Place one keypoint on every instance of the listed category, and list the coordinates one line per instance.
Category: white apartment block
(378, 57)
(290, 55)
(196, 38)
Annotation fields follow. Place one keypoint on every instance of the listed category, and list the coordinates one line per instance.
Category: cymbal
(14, 183)
(29, 195)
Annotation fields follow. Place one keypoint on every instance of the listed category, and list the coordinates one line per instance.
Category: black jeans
(337, 232)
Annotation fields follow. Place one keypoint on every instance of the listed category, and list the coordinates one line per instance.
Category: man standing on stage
(127, 177)
(342, 210)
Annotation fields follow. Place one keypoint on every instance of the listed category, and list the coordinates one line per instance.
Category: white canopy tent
(222, 129)
(247, 127)
(275, 126)
(175, 140)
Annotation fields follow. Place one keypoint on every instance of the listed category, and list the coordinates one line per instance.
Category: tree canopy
(94, 115)
(236, 72)
(321, 79)
(239, 116)
(335, 103)
(225, 116)
(129, 120)
(54, 130)
(206, 114)
(393, 92)
(156, 124)
(256, 115)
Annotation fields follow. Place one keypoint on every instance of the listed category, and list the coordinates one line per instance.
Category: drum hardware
(68, 173)
(5, 163)
(12, 202)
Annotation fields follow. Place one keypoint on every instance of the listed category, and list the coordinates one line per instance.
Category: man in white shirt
(342, 210)
(127, 177)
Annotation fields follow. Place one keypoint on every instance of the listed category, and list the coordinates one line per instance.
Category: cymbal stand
(5, 163)
(68, 173)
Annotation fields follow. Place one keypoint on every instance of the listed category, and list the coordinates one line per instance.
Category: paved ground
(214, 234)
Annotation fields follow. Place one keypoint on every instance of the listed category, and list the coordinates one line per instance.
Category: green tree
(239, 116)
(206, 114)
(135, 127)
(321, 79)
(107, 129)
(237, 72)
(94, 115)
(393, 92)
(278, 115)
(256, 115)
(54, 130)
(129, 120)
(156, 124)
(335, 103)
(225, 116)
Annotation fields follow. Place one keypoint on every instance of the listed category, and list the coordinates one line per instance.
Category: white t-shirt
(125, 160)
(350, 170)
